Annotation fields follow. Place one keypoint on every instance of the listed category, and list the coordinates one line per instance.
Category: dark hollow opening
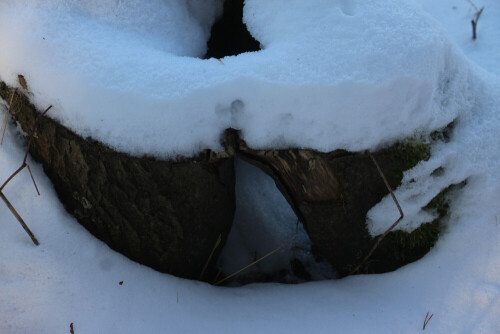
(229, 35)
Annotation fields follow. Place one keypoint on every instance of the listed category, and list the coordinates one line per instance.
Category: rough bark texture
(169, 214)
(332, 193)
(165, 214)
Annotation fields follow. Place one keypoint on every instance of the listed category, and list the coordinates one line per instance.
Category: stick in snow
(379, 240)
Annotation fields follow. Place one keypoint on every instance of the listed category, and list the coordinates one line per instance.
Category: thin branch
(24, 164)
(473, 5)
(33, 179)
(426, 320)
(217, 243)
(8, 113)
(19, 219)
(12, 176)
(379, 240)
(217, 276)
(474, 22)
(257, 261)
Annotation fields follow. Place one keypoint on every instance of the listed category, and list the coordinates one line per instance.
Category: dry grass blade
(19, 219)
(379, 240)
(257, 261)
(217, 243)
(33, 179)
(217, 276)
(7, 114)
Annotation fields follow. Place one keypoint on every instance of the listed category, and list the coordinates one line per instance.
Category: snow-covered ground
(389, 71)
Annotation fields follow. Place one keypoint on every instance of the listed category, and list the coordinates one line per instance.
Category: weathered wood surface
(170, 214)
(331, 194)
(165, 214)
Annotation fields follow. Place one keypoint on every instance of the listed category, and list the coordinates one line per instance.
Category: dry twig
(474, 22)
(25, 164)
(71, 329)
(426, 320)
(217, 243)
(19, 219)
(379, 240)
(257, 261)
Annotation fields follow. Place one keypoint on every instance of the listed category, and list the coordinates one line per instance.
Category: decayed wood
(303, 176)
(381, 237)
(331, 194)
(163, 213)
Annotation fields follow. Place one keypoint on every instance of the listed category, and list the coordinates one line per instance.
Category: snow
(74, 278)
(257, 232)
(328, 72)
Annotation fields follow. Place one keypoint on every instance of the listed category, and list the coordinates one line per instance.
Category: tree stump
(331, 194)
(165, 214)
(175, 216)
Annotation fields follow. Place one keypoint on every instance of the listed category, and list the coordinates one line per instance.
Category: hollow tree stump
(170, 214)
(331, 194)
(165, 214)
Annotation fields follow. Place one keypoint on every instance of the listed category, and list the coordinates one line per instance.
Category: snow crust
(333, 74)
(264, 221)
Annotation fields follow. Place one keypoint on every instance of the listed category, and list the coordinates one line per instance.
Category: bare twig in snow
(19, 219)
(217, 276)
(257, 261)
(71, 329)
(217, 243)
(475, 20)
(379, 240)
(426, 320)
(33, 179)
(24, 164)
(473, 5)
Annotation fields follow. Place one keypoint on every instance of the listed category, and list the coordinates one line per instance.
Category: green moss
(443, 134)
(440, 203)
(411, 151)
(409, 247)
